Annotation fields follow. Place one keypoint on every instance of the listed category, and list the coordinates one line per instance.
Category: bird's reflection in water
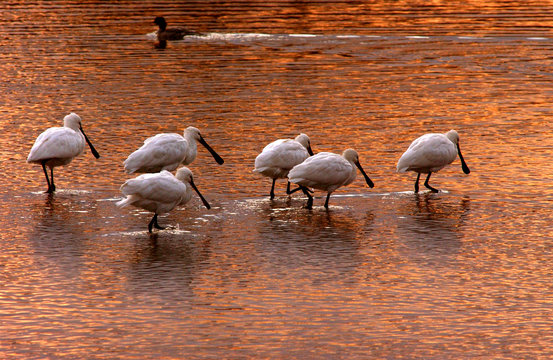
(166, 263)
(60, 237)
(58, 222)
(294, 239)
(431, 225)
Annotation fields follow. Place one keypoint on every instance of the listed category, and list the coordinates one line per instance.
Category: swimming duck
(164, 34)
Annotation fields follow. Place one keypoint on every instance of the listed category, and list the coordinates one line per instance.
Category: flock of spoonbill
(159, 191)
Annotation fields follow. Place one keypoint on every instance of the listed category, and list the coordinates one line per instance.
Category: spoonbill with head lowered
(327, 171)
(160, 193)
(167, 152)
(58, 146)
(431, 153)
(280, 156)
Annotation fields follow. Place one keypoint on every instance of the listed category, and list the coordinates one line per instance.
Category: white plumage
(280, 156)
(58, 146)
(431, 153)
(327, 171)
(159, 193)
(167, 152)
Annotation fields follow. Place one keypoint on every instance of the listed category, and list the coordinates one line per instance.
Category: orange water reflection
(385, 273)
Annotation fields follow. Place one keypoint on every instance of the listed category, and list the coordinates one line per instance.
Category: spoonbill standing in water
(327, 171)
(160, 193)
(167, 152)
(431, 153)
(280, 156)
(58, 146)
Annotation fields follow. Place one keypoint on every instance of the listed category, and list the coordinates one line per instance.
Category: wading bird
(58, 146)
(280, 156)
(160, 193)
(327, 171)
(167, 152)
(431, 153)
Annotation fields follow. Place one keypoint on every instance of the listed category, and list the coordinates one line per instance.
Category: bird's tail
(126, 201)
(131, 164)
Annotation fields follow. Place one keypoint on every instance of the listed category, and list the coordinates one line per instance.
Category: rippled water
(384, 273)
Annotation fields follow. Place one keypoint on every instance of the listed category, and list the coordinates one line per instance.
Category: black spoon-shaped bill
(206, 204)
(367, 179)
(216, 156)
(92, 149)
(466, 169)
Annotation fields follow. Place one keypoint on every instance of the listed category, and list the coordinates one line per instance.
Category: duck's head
(160, 21)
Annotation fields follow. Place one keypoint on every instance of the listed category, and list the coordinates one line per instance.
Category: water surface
(384, 273)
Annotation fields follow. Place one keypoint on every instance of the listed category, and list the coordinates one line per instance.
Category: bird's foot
(434, 190)
(157, 226)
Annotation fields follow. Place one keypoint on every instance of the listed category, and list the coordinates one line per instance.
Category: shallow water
(384, 273)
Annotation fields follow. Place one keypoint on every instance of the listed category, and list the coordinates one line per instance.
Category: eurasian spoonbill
(431, 153)
(280, 156)
(167, 152)
(327, 171)
(58, 146)
(160, 193)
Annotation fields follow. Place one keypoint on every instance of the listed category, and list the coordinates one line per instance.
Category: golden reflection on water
(384, 273)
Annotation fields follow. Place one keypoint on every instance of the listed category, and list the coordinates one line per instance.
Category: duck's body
(327, 171)
(58, 146)
(167, 151)
(167, 34)
(280, 156)
(159, 193)
(430, 153)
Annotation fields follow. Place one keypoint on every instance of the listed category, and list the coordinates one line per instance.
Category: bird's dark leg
(428, 185)
(417, 183)
(309, 197)
(50, 190)
(326, 202)
(272, 193)
(156, 225)
(288, 191)
(52, 179)
(153, 223)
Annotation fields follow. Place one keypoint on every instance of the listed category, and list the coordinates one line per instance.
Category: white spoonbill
(167, 152)
(431, 153)
(58, 146)
(280, 156)
(327, 171)
(160, 192)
